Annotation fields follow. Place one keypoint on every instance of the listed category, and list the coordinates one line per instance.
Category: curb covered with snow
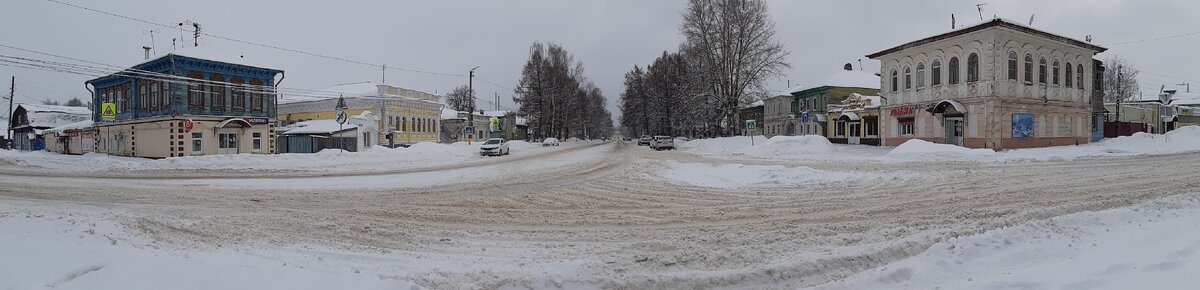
(1154, 245)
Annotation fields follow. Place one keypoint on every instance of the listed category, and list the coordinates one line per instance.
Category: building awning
(940, 107)
(822, 118)
(239, 120)
(850, 116)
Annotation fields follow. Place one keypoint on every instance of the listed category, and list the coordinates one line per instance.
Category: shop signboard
(906, 111)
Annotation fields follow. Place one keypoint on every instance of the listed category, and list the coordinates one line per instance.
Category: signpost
(750, 126)
(108, 111)
(470, 132)
(341, 112)
(804, 117)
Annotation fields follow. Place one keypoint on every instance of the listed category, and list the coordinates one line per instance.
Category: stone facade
(976, 83)
(778, 118)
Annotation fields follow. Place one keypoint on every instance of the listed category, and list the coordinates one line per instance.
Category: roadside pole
(750, 126)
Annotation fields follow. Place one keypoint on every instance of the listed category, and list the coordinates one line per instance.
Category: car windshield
(492, 142)
(662, 138)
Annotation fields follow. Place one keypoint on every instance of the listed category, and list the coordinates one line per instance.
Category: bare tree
(460, 99)
(50, 102)
(557, 99)
(1120, 80)
(734, 40)
(74, 102)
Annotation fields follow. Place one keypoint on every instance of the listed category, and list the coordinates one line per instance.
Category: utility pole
(471, 113)
(11, 95)
(1120, 95)
(383, 80)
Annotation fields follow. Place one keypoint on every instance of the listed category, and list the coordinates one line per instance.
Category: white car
(494, 147)
(662, 143)
(550, 142)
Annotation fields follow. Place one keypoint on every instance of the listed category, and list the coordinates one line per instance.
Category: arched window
(143, 95)
(237, 98)
(1028, 68)
(935, 73)
(973, 67)
(953, 71)
(895, 82)
(256, 95)
(1079, 80)
(1042, 70)
(1012, 65)
(907, 78)
(195, 91)
(920, 75)
(217, 92)
(1068, 78)
(1054, 75)
(153, 98)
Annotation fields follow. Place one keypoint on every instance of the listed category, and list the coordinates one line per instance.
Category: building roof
(46, 116)
(328, 126)
(853, 79)
(55, 109)
(998, 22)
(205, 53)
(360, 90)
(72, 126)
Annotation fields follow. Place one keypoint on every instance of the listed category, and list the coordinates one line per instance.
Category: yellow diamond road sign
(108, 111)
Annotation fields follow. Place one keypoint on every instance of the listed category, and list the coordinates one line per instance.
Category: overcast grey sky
(609, 37)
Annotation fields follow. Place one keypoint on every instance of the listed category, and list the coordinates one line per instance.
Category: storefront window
(855, 129)
(872, 124)
(257, 141)
(841, 129)
(906, 127)
(197, 142)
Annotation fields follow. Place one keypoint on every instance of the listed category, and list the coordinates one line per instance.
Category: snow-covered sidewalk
(1155, 245)
(80, 247)
(817, 148)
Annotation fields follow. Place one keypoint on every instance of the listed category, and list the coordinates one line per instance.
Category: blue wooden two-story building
(193, 101)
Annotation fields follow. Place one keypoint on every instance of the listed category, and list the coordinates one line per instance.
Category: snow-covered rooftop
(852, 79)
(55, 109)
(1017, 25)
(362, 90)
(71, 126)
(448, 113)
(328, 126)
(217, 56)
(46, 116)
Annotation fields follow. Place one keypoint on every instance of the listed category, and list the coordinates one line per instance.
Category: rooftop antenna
(860, 67)
(147, 49)
(1088, 38)
(196, 34)
(1031, 19)
(952, 24)
(979, 7)
(152, 46)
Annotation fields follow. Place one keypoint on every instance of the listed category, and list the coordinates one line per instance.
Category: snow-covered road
(603, 216)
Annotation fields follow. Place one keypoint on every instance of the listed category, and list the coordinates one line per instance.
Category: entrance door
(954, 131)
(855, 133)
(227, 143)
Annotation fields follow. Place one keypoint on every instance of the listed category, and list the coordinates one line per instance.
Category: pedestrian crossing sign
(108, 111)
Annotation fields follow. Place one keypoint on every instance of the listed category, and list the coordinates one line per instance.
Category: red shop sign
(904, 111)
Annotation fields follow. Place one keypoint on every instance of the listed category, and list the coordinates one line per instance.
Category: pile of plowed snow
(921, 149)
(784, 147)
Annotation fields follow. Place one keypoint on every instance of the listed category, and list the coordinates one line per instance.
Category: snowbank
(1149, 246)
(921, 149)
(1181, 140)
(83, 249)
(377, 158)
(779, 147)
(741, 175)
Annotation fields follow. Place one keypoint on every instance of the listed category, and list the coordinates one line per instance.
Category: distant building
(192, 101)
(855, 120)
(30, 120)
(75, 138)
(812, 104)
(998, 84)
(359, 133)
(753, 112)
(778, 118)
(405, 116)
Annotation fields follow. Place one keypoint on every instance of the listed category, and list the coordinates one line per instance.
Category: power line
(259, 44)
(1155, 39)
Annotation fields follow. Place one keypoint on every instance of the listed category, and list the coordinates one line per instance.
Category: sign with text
(906, 111)
(258, 121)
